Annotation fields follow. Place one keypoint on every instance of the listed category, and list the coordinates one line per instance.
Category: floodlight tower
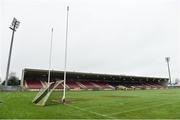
(65, 60)
(14, 25)
(168, 60)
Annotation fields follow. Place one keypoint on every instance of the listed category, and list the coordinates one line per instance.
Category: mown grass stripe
(88, 111)
(137, 109)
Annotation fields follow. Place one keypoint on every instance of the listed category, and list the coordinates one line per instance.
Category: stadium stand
(89, 85)
(73, 85)
(34, 84)
(104, 85)
(36, 79)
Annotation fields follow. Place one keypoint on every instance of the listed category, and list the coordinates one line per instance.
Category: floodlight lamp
(167, 59)
(15, 23)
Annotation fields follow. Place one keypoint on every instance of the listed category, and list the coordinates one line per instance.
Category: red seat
(34, 84)
(73, 85)
(88, 85)
(103, 84)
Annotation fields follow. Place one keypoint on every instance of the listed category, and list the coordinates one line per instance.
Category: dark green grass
(140, 104)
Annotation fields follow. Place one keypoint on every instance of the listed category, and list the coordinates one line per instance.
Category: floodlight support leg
(10, 52)
(169, 73)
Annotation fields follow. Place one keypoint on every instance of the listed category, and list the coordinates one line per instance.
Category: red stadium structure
(35, 79)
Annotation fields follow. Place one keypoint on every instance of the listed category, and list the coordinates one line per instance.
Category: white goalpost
(50, 58)
(44, 94)
(65, 58)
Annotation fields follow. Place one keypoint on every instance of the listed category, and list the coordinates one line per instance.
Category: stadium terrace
(35, 79)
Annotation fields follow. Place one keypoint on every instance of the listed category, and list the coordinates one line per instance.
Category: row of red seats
(103, 85)
(36, 84)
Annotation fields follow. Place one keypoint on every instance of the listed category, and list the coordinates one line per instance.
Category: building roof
(41, 72)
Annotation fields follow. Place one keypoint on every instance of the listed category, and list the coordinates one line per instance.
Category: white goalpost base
(44, 94)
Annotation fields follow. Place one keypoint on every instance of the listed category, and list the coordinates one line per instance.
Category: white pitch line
(99, 114)
(143, 108)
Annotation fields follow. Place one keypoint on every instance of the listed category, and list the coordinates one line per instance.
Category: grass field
(140, 104)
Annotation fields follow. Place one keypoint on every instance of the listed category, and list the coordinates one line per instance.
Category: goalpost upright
(50, 58)
(65, 60)
(42, 97)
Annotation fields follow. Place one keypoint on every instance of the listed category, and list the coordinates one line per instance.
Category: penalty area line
(88, 111)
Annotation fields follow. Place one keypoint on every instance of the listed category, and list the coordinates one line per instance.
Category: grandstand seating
(104, 85)
(155, 85)
(81, 85)
(73, 85)
(90, 81)
(89, 85)
(34, 84)
(60, 86)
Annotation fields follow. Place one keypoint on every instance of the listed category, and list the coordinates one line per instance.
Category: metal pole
(10, 52)
(168, 59)
(65, 61)
(50, 58)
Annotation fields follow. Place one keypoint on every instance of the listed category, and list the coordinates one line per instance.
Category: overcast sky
(129, 37)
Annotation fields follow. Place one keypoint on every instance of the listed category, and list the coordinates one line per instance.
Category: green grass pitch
(139, 104)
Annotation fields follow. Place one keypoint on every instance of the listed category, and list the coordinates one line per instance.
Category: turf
(140, 104)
